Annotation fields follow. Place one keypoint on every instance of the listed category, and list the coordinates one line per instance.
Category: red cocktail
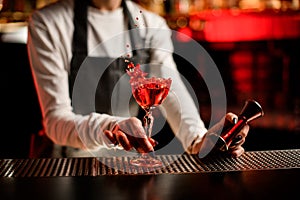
(151, 92)
(148, 93)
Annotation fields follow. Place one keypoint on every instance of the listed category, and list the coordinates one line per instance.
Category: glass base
(146, 161)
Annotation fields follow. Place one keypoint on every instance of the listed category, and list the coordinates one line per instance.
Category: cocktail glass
(148, 93)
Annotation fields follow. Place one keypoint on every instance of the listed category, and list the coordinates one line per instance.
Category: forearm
(183, 115)
(180, 106)
(85, 132)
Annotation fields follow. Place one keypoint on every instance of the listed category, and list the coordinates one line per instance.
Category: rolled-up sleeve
(48, 54)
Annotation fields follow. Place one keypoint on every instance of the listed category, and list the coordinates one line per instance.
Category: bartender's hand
(235, 148)
(130, 134)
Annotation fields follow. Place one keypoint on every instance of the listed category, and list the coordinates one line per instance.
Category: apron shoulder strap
(79, 43)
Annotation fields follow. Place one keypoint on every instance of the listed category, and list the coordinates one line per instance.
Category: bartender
(77, 49)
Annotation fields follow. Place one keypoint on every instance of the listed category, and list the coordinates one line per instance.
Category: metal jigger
(251, 110)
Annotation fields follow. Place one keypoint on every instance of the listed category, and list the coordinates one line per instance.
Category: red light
(184, 35)
(247, 26)
(242, 70)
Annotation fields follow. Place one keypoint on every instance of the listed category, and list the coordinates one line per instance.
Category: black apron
(94, 82)
(104, 72)
(100, 76)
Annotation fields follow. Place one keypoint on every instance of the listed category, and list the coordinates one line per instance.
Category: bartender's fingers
(238, 140)
(118, 137)
(110, 136)
(237, 152)
(241, 136)
(145, 144)
(141, 144)
(226, 122)
(135, 132)
(123, 140)
(152, 141)
(231, 118)
(140, 149)
(244, 131)
(130, 133)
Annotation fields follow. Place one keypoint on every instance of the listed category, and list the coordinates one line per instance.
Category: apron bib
(98, 83)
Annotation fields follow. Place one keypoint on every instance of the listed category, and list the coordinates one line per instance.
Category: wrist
(194, 146)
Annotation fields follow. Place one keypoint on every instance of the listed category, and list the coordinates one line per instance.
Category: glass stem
(148, 123)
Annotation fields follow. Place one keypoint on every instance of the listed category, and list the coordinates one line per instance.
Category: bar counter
(268, 174)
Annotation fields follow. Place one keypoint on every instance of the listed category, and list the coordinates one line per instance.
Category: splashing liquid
(148, 92)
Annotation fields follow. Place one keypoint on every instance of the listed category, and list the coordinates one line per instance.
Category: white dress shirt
(50, 52)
